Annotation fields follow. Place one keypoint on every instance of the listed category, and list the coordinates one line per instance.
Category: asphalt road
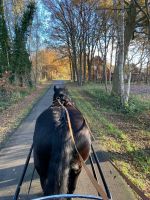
(14, 154)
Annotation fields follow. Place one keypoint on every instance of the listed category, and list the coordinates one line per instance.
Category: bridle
(91, 177)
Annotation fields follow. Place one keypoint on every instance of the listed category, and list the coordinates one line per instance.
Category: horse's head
(61, 94)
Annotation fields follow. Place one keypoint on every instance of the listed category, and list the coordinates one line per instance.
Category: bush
(136, 106)
(9, 93)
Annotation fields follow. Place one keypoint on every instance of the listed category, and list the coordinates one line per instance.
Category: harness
(91, 177)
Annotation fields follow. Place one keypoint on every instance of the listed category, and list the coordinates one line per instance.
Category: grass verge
(13, 97)
(15, 113)
(119, 133)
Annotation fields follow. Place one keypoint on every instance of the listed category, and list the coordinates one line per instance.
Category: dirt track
(13, 156)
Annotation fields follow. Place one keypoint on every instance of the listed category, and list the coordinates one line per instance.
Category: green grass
(95, 104)
(7, 100)
(98, 120)
(136, 106)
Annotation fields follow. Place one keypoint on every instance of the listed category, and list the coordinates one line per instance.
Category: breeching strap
(91, 177)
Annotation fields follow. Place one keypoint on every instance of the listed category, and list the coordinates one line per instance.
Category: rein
(91, 177)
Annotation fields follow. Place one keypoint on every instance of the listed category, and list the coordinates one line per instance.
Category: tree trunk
(118, 79)
(128, 88)
(103, 73)
(112, 49)
(73, 73)
(147, 73)
(37, 48)
(84, 67)
(129, 27)
(74, 65)
(89, 69)
(140, 71)
(80, 66)
(21, 81)
(124, 37)
(127, 92)
(71, 70)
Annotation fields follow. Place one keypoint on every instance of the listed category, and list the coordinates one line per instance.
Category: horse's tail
(61, 155)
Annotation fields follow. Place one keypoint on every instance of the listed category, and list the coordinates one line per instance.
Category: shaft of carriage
(23, 174)
(16, 196)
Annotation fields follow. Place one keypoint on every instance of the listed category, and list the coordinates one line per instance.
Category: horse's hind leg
(43, 177)
(73, 177)
(41, 166)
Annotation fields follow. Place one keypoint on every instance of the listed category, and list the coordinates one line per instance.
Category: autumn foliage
(48, 64)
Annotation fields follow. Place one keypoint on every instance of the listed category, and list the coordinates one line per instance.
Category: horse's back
(80, 130)
(76, 118)
(45, 130)
(43, 127)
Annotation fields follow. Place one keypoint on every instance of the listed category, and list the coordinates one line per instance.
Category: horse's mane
(61, 151)
(59, 115)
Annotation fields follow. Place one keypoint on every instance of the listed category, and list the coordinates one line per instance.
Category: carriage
(62, 144)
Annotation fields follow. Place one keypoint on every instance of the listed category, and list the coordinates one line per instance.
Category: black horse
(55, 157)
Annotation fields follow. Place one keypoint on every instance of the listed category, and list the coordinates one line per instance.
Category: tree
(125, 26)
(118, 79)
(4, 42)
(75, 30)
(21, 62)
(105, 37)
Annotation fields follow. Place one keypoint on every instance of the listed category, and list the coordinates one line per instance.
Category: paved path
(13, 156)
